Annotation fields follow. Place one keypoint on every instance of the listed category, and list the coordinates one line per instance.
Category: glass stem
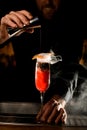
(42, 98)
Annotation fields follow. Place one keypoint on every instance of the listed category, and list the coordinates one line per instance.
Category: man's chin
(48, 15)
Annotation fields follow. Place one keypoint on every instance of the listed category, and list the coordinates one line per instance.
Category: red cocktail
(42, 76)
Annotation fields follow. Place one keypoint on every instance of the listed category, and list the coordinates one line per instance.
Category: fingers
(52, 112)
(44, 115)
(17, 18)
(64, 117)
(45, 111)
(58, 118)
(52, 116)
(21, 17)
(7, 21)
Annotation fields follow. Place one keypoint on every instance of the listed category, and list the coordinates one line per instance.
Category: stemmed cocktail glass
(42, 71)
(42, 77)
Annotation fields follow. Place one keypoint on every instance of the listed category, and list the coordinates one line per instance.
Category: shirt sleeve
(65, 81)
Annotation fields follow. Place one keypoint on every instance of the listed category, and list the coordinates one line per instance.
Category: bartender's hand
(53, 111)
(15, 19)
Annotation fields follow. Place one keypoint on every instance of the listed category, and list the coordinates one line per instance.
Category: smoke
(78, 104)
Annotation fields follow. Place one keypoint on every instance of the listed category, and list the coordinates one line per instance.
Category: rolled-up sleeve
(65, 82)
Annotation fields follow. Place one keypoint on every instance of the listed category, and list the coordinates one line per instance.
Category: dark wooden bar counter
(21, 116)
(36, 127)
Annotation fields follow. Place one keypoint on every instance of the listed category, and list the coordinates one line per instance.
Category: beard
(48, 12)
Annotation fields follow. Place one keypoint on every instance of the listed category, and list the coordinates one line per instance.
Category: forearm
(66, 82)
(62, 82)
